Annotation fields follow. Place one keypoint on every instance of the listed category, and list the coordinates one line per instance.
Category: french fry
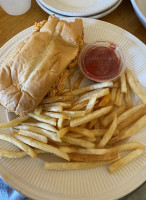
(100, 93)
(78, 81)
(125, 160)
(58, 98)
(116, 84)
(119, 148)
(133, 129)
(17, 154)
(126, 147)
(92, 158)
(108, 119)
(62, 132)
(12, 154)
(96, 126)
(53, 108)
(90, 116)
(134, 87)
(89, 139)
(63, 104)
(90, 87)
(117, 96)
(83, 125)
(109, 133)
(68, 149)
(116, 132)
(13, 123)
(41, 125)
(75, 165)
(41, 131)
(91, 103)
(129, 113)
(98, 140)
(82, 131)
(93, 151)
(75, 135)
(43, 118)
(120, 99)
(114, 140)
(105, 100)
(132, 119)
(128, 100)
(55, 115)
(129, 131)
(19, 144)
(92, 123)
(42, 146)
(58, 144)
(65, 90)
(65, 123)
(74, 114)
(100, 121)
(60, 123)
(113, 94)
(99, 132)
(79, 106)
(78, 142)
(123, 83)
(33, 135)
(72, 70)
(38, 110)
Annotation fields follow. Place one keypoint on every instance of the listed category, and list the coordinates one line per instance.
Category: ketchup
(101, 63)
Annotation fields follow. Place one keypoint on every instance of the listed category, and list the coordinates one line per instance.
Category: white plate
(28, 176)
(140, 10)
(78, 7)
(96, 16)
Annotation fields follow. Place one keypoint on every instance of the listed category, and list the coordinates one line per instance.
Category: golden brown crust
(59, 84)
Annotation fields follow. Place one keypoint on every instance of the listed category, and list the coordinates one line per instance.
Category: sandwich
(40, 64)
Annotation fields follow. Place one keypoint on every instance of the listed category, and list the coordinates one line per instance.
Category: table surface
(124, 17)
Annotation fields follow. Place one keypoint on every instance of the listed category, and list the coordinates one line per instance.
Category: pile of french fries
(83, 125)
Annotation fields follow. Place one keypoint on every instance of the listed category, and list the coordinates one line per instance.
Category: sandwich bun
(32, 68)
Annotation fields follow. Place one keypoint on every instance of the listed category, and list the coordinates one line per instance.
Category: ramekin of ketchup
(102, 61)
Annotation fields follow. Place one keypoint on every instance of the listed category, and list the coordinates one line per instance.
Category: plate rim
(142, 178)
(95, 16)
(82, 14)
(19, 185)
(138, 12)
